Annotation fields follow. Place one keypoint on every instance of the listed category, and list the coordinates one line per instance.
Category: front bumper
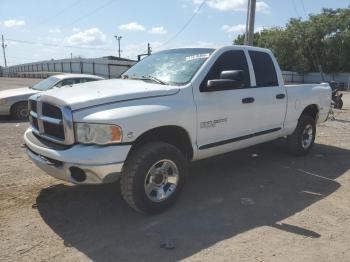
(99, 164)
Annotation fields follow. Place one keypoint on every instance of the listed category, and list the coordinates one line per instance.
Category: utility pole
(118, 39)
(249, 34)
(149, 49)
(3, 49)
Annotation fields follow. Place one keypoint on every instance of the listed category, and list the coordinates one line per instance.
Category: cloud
(75, 29)
(14, 23)
(234, 5)
(240, 28)
(133, 26)
(159, 30)
(263, 7)
(54, 30)
(92, 36)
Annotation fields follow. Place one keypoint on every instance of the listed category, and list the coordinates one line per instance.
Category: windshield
(46, 84)
(176, 66)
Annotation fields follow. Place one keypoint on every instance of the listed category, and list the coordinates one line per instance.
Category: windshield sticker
(198, 56)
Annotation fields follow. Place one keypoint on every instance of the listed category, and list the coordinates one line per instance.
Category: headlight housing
(101, 134)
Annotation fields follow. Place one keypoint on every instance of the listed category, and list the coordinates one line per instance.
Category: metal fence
(114, 68)
(343, 79)
(101, 67)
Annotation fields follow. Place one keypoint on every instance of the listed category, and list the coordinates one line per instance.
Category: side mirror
(231, 79)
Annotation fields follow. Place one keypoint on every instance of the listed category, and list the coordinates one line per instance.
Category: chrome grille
(51, 121)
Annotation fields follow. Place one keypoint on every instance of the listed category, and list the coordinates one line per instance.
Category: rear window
(265, 71)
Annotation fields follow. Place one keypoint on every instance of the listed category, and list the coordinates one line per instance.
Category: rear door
(270, 95)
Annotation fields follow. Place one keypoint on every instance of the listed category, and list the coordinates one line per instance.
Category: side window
(70, 81)
(84, 80)
(58, 84)
(265, 71)
(230, 60)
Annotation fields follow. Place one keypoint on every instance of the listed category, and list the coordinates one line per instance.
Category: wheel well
(17, 103)
(311, 110)
(174, 135)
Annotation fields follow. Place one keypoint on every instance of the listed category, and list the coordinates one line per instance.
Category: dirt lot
(258, 204)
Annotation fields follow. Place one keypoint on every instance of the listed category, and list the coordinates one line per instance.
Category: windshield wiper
(155, 79)
(146, 77)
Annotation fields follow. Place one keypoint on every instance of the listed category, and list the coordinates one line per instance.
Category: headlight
(3, 101)
(101, 134)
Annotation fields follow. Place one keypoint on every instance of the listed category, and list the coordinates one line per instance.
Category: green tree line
(323, 39)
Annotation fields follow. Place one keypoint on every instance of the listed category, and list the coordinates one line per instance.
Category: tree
(323, 39)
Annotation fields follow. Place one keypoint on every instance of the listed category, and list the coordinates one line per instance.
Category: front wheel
(153, 177)
(20, 111)
(303, 137)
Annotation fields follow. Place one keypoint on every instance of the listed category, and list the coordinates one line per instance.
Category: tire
(302, 140)
(149, 168)
(20, 111)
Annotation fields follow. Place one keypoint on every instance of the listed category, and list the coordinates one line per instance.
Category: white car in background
(14, 102)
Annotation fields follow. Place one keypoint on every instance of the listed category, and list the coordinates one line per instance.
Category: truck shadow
(224, 196)
(9, 119)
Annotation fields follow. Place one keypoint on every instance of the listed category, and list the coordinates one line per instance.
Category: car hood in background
(17, 92)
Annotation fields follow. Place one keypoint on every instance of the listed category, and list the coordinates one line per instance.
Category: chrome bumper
(93, 161)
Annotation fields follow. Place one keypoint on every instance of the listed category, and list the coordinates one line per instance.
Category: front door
(225, 117)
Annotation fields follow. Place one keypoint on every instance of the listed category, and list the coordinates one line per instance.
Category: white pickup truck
(171, 108)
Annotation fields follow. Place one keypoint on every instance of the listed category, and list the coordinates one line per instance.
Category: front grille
(35, 123)
(52, 111)
(32, 105)
(51, 122)
(54, 130)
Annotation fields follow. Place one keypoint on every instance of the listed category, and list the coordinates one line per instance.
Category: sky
(37, 30)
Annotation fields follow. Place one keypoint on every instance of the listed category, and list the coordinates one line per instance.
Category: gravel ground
(258, 204)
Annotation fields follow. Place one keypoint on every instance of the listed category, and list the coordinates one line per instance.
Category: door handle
(248, 100)
(280, 96)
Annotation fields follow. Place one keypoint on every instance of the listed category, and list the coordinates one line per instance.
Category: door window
(230, 60)
(265, 71)
(70, 81)
(84, 80)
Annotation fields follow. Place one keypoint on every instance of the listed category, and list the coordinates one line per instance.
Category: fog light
(77, 174)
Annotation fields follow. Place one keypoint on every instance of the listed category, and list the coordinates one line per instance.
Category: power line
(89, 14)
(186, 24)
(55, 45)
(302, 4)
(317, 63)
(295, 8)
(59, 12)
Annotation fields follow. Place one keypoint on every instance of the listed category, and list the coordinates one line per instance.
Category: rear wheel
(153, 177)
(339, 104)
(20, 111)
(303, 137)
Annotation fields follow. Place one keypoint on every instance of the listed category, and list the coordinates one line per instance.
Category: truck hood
(108, 91)
(24, 91)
